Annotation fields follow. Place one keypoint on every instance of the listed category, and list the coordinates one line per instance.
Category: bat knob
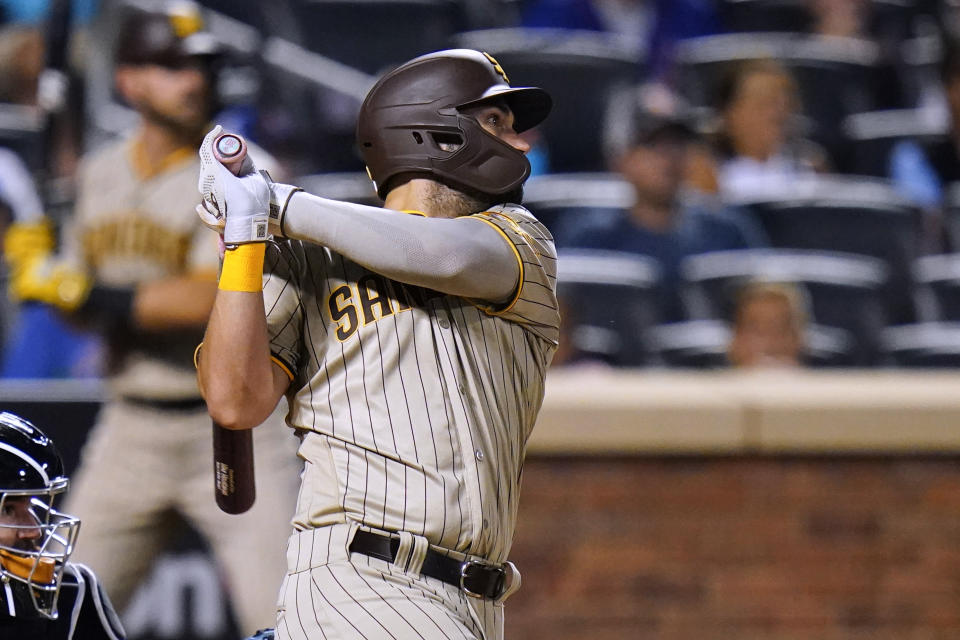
(228, 145)
(230, 150)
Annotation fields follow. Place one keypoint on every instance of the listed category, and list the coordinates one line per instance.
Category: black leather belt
(476, 579)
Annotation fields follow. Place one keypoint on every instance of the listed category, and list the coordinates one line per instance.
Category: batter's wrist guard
(243, 267)
(280, 195)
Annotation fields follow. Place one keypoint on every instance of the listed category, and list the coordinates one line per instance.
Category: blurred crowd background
(729, 182)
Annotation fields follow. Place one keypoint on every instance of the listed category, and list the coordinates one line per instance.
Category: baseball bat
(233, 475)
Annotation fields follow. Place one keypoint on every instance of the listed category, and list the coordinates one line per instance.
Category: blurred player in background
(43, 596)
(411, 342)
(141, 268)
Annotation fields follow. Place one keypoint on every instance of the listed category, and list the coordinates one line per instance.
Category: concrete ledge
(616, 412)
(603, 411)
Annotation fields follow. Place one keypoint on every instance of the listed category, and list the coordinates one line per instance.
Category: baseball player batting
(411, 342)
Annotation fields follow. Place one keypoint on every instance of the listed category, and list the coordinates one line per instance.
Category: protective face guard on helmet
(32, 576)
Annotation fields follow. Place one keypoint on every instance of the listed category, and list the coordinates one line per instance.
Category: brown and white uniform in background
(150, 453)
(414, 408)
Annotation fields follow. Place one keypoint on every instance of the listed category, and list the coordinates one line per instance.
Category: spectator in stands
(769, 321)
(858, 19)
(666, 222)
(757, 147)
(921, 172)
(21, 61)
(840, 18)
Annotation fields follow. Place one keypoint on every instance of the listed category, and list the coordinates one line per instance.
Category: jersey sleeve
(282, 304)
(534, 303)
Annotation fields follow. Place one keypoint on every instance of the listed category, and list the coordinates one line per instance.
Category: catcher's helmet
(170, 38)
(35, 540)
(414, 109)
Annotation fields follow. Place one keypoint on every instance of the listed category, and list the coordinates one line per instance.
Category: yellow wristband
(243, 268)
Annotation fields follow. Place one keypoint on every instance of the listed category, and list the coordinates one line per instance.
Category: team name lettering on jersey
(133, 235)
(372, 297)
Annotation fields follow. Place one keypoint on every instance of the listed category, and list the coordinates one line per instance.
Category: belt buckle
(464, 575)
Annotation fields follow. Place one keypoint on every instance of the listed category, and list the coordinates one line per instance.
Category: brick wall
(739, 547)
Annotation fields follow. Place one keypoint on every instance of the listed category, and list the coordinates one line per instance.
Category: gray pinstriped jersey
(414, 406)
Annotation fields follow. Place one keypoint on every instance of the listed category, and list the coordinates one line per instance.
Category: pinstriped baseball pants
(331, 594)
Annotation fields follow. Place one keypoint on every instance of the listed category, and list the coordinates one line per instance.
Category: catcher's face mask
(35, 543)
(35, 540)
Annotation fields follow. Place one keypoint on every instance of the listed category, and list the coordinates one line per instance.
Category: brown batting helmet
(171, 38)
(413, 113)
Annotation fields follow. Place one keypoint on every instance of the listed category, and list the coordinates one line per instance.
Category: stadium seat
(702, 344)
(580, 69)
(347, 186)
(370, 36)
(253, 14)
(939, 276)
(918, 68)
(951, 213)
(843, 64)
(21, 130)
(928, 344)
(763, 15)
(567, 202)
(874, 134)
(696, 344)
(889, 18)
(849, 215)
(835, 76)
(845, 291)
(611, 301)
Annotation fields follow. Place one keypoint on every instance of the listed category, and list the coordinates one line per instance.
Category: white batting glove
(237, 207)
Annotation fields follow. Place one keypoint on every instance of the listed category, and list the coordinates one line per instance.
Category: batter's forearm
(235, 372)
(461, 256)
